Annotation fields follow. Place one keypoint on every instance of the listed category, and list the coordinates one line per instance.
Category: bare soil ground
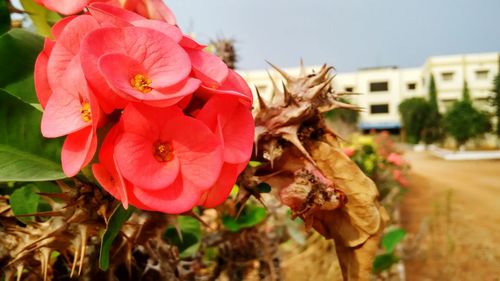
(452, 214)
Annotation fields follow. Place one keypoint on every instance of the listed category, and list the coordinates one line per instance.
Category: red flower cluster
(177, 122)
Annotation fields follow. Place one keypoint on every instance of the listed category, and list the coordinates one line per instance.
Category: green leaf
(25, 201)
(116, 221)
(190, 229)
(4, 17)
(255, 164)
(384, 262)
(263, 187)
(18, 52)
(250, 216)
(40, 16)
(392, 238)
(24, 154)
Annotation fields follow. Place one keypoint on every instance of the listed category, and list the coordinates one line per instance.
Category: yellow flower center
(163, 151)
(85, 112)
(141, 83)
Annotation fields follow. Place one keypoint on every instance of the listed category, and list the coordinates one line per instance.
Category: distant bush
(463, 121)
(414, 114)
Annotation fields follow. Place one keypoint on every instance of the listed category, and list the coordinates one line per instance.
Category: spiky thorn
(83, 234)
(172, 220)
(302, 68)
(287, 97)
(275, 87)
(285, 75)
(44, 260)
(321, 75)
(194, 215)
(20, 268)
(75, 260)
(262, 103)
(316, 90)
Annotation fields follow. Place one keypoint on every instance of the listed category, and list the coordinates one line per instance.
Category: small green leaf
(384, 262)
(25, 155)
(250, 216)
(18, 52)
(116, 221)
(40, 16)
(392, 238)
(264, 187)
(255, 164)
(4, 17)
(25, 201)
(190, 229)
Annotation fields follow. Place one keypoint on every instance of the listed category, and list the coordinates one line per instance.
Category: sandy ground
(452, 213)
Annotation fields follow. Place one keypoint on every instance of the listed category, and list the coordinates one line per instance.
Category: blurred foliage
(414, 113)
(378, 157)
(42, 18)
(119, 216)
(463, 122)
(250, 216)
(495, 98)
(387, 259)
(4, 17)
(432, 131)
(187, 237)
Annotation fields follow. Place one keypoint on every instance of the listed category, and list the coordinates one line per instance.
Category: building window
(379, 86)
(482, 74)
(447, 76)
(411, 86)
(349, 89)
(379, 108)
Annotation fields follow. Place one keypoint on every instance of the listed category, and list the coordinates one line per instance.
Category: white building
(382, 89)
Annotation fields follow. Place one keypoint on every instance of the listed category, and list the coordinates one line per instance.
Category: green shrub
(414, 113)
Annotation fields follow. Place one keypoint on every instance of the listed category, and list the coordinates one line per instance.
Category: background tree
(495, 98)
(463, 121)
(414, 113)
(432, 131)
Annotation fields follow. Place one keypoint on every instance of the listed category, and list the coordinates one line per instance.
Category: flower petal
(67, 47)
(118, 69)
(136, 161)
(112, 16)
(77, 151)
(171, 31)
(231, 119)
(66, 7)
(234, 85)
(210, 69)
(178, 198)
(106, 172)
(222, 188)
(42, 87)
(198, 149)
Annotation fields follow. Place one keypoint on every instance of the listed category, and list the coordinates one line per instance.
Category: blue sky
(348, 34)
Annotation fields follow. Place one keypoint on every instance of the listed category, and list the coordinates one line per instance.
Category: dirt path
(452, 213)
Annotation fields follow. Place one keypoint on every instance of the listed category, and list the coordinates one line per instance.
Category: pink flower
(164, 165)
(400, 178)
(137, 64)
(65, 7)
(72, 110)
(182, 128)
(232, 121)
(395, 159)
(151, 9)
(349, 151)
